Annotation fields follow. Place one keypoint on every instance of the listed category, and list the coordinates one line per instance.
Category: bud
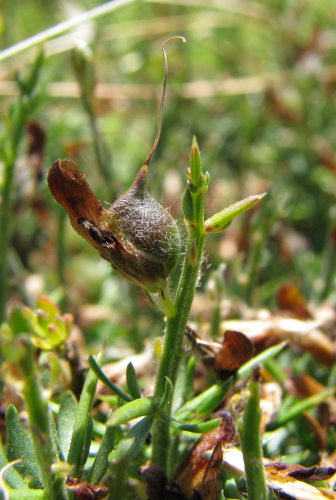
(136, 234)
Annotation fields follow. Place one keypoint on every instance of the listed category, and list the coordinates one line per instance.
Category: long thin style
(158, 133)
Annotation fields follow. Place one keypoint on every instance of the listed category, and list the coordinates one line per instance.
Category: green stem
(39, 422)
(251, 447)
(60, 28)
(5, 235)
(17, 118)
(176, 323)
(101, 151)
(14, 137)
(172, 350)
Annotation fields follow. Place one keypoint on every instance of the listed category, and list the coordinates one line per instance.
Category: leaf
(55, 441)
(206, 401)
(130, 446)
(189, 475)
(86, 441)
(168, 391)
(236, 350)
(285, 480)
(269, 353)
(83, 490)
(133, 409)
(209, 484)
(304, 405)
(290, 298)
(65, 422)
(11, 476)
(314, 473)
(101, 461)
(22, 442)
(156, 480)
(106, 381)
(81, 425)
(132, 382)
(198, 428)
(221, 220)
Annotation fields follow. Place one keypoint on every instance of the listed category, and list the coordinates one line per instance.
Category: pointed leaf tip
(194, 143)
(221, 220)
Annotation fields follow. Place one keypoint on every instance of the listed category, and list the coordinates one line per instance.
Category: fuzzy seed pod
(136, 234)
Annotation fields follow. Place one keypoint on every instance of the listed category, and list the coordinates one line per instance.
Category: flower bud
(136, 234)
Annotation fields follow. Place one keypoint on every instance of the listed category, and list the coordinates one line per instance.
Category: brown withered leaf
(290, 298)
(156, 480)
(287, 481)
(84, 490)
(157, 487)
(327, 461)
(314, 473)
(210, 479)
(189, 475)
(72, 192)
(303, 386)
(318, 429)
(236, 350)
(307, 334)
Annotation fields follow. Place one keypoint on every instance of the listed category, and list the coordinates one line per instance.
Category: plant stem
(250, 438)
(17, 120)
(39, 422)
(60, 28)
(176, 323)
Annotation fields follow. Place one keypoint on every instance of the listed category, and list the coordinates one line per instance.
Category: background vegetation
(255, 83)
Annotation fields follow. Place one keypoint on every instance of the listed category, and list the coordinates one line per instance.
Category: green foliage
(45, 326)
(255, 84)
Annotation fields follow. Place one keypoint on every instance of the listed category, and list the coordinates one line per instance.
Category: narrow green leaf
(102, 377)
(80, 427)
(221, 220)
(101, 461)
(11, 476)
(166, 395)
(133, 409)
(65, 422)
(304, 405)
(130, 446)
(22, 442)
(200, 428)
(245, 370)
(249, 430)
(206, 401)
(86, 441)
(53, 434)
(27, 494)
(132, 382)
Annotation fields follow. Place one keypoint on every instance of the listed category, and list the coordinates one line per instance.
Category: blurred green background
(255, 83)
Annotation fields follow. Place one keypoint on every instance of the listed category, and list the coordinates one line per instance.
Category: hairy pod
(136, 234)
